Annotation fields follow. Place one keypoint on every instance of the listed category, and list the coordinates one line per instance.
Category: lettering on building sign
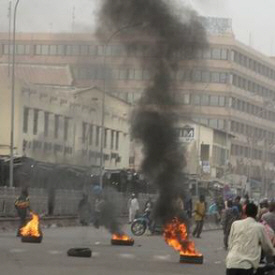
(187, 133)
(215, 25)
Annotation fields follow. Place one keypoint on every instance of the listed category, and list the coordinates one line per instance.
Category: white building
(63, 126)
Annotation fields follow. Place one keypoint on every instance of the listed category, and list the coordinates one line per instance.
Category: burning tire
(80, 252)
(31, 239)
(138, 228)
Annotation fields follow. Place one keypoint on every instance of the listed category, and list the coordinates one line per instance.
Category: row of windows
(252, 87)
(251, 153)
(247, 130)
(200, 99)
(213, 123)
(209, 100)
(47, 147)
(98, 72)
(253, 65)
(245, 151)
(19, 49)
(213, 53)
(208, 77)
(88, 136)
(57, 123)
(246, 107)
(111, 50)
(131, 97)
(88, 130)
(206, 53)
(96, 155)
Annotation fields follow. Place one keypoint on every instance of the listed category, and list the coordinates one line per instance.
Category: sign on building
(188, 133)
(215, 25)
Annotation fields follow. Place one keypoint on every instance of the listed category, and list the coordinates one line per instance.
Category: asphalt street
(149, 255)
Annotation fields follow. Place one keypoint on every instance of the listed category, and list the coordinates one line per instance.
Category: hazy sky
(251, 18)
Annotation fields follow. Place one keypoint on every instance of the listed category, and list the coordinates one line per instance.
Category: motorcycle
(265, 269)
(140, 225)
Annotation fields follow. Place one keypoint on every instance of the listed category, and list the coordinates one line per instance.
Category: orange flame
(121, 237)
(175, 235)
(32, 227)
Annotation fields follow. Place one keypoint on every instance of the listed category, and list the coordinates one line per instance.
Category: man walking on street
(199, 216)
(246, 240)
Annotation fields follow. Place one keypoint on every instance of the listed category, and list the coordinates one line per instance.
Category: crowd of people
(248, 229)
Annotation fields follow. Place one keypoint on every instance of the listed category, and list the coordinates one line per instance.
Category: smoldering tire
(31, 239)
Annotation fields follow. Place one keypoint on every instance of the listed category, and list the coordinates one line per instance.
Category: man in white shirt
(246, 240)
(133, 207)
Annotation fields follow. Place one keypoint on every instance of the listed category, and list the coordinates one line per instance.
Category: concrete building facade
(63, 127)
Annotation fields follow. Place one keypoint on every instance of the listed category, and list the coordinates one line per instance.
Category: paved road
(149, 255)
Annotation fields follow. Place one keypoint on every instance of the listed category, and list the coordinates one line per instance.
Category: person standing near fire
(22, 205)
(133, 206)
(200, 210)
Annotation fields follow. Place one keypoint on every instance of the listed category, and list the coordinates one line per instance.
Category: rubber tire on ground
(80, 252)
(142, 225)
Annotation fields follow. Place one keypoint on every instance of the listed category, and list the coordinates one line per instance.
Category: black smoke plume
(154, 121)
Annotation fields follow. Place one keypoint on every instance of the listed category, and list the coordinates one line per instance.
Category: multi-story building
(63, 127)
(229, 86)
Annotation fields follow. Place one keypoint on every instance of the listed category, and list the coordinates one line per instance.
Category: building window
(215, 77)
(224, 54)
(56, 126)
(112, 139)
(197, 76)
(205, 100)
(22, 49)
(53, 50)
(216, 53)
(213, 123)
(221, 101)
(35, 121)
(61, 50)
(205, 76)
(75, 50)
(97, 135)
(26, 120)
(223, 78)
(138, 74)
(180, 75)
(44, 50)
(46, 124)
(66, 128)
(123, 74)
(117, 140)
(84, 50)
(214, 100)
(105, 137)
(92, 50)
(197, 100)
(206, 54)
(84, 131)
(91, 135)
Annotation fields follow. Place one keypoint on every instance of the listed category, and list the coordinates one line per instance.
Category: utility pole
(9, 44)
(12, 96)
